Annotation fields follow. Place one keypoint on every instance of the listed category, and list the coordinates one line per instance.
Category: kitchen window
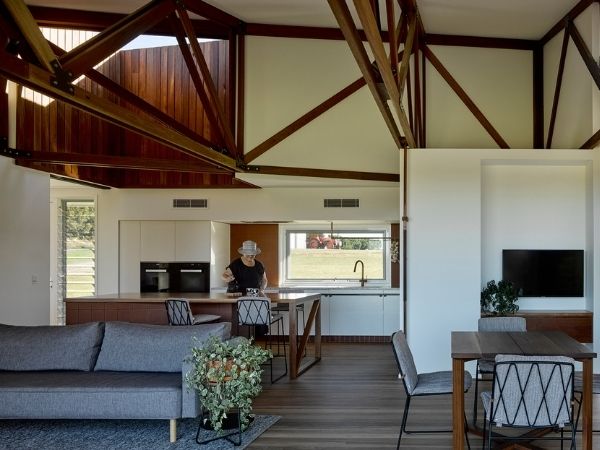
(321, 256)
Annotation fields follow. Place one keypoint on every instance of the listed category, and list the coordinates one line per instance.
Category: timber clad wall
(160, 77)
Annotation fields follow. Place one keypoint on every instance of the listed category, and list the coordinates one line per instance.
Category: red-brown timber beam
(304, 119)
(94, 50)
(194, 74)
(115, 162)
(585, 53)
(35, 78)
(33, 35)
(136, 101)
(99, 21)
(557, 87)
(464, 97)
(211, 12)
(324, 173)
(571, 15)
(213, 95)
(593, 141)
(478, 41)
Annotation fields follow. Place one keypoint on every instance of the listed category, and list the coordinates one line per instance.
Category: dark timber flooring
(353, 399)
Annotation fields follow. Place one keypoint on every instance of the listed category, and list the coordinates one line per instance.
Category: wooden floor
(353, 399)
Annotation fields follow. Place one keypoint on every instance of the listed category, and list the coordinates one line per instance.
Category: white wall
(219, 258)
(447, 235)
(24, 245)
(534, 206)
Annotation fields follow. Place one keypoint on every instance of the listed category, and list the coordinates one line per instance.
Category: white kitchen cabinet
(192, 241)
(307, 307)
(129, 256)
(392, 317)
(356, 315)
(157, 241)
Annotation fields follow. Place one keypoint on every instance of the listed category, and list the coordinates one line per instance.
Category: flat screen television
(544, 273)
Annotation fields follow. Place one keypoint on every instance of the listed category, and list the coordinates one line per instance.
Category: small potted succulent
(227, 376)
(499, 299)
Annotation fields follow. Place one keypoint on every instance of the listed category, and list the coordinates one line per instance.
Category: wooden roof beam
(464, 97)
(365, 13)
(324, 173)
(212, 13)
(194, 74)
(99, 21)
(115, 162)
(213, 95)
(303, 120)
(104, 44)
(593, 141)
(35, 78)
(571, 15)
(33, 35)
(136, 101)
(344, 19)
(585, 53)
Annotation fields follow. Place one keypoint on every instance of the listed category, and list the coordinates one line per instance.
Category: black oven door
(191, 277)
(154, 277)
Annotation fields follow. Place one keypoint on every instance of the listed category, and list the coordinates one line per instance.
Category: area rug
(116, 434)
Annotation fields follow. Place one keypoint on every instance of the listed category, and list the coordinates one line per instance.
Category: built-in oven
(154, 277)
(190, 277)
(175, 277)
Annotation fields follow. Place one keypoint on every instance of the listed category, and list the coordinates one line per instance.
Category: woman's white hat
(249, 248)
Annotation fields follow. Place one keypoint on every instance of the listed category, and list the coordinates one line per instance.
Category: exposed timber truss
(135, 141)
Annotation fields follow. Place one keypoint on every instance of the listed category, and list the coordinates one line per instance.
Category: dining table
(472, 345)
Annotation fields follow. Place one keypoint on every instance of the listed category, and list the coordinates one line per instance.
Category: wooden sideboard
(576, 323)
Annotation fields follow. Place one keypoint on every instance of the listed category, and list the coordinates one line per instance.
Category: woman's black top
(246, 277)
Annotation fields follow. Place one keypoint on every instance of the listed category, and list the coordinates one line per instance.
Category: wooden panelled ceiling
(159, 119)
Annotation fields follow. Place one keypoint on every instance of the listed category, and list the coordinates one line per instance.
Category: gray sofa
(112, 370)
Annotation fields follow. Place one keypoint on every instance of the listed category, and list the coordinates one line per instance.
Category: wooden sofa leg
(173, 429)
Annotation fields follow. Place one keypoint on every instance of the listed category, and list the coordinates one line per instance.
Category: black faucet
(363, 280)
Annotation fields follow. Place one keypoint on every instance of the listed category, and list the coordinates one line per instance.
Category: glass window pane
(318, 255)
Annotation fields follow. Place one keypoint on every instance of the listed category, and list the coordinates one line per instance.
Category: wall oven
(175, 277)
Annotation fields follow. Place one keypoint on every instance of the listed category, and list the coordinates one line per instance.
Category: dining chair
(180, 313)
(486, 366)
(579, 392)
(529, 392)
(255, 312)
(421, 384)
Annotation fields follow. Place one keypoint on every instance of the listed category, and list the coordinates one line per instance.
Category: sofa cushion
(70, 347)
(140, 347)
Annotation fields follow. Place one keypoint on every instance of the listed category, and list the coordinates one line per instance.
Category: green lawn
(334, 263)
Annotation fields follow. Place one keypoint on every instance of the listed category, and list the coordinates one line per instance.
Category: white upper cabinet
(192, 241)
(129, 256)
(157, 240)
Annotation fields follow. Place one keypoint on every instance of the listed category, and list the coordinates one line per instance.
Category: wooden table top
(192, 297)
(469, 345)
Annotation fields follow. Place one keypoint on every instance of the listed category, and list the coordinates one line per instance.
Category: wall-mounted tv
(544, 273)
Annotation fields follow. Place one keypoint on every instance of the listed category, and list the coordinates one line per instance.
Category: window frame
(325, 227)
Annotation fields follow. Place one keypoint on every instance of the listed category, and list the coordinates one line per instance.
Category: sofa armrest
(190, 402)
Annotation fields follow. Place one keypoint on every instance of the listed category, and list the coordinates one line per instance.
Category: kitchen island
(150, 308)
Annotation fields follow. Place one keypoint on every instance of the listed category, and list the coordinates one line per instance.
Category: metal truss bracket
(5, 150)
(62, 79)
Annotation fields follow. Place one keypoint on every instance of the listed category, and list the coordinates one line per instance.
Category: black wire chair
(256, 312)
(180, 313)
(422, 384)
(530, 392)
(485, 367)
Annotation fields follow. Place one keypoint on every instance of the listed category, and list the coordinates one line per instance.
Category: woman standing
(246, 271)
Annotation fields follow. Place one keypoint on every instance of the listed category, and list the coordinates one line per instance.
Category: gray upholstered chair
(256, 311)
(486, 366)
(421, 384)
(180, 313)
(530, 392)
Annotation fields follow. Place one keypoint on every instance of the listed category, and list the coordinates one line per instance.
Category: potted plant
(227, 376)
(499, 299)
